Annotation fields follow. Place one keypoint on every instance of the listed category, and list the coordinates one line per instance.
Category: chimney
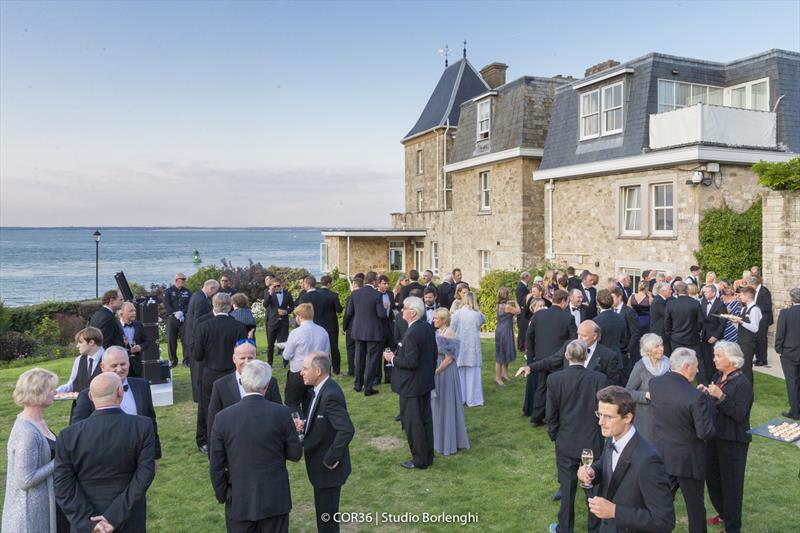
(494, 74)
(600, 67)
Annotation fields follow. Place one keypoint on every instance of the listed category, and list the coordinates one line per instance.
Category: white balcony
(704, 123)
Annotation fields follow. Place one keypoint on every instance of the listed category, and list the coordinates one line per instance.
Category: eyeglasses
(276, 286)
(245, 341)
(224, 280)
(607, 418)
(180, 279)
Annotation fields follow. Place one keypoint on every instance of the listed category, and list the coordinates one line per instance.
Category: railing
(713, 124)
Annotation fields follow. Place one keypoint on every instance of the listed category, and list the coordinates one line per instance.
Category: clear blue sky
(234, 114)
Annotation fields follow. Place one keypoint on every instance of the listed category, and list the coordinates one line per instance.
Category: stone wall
(366, 253)
(433, 150)
(781, 246)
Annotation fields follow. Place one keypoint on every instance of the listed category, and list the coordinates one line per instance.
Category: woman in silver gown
(449, 429)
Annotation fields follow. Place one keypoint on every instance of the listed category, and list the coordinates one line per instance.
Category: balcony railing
(713, 124)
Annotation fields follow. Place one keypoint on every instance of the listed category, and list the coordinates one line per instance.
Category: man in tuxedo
(136, 398)
(278, 304)
(683, 320)
(624, 284)
(613, 326)
(135, 339)
(626, 312)
(105, 319)
(521, 294)
(571, 403)
(215, 340)
(589, 294)
(576, 307)
(684, 421)
(86, 366)
(713, 329)
(547, 331)
(413, 285)
(427, 283)
(367, 330)
(429, 299)
(176, 304)
(200, 309)
(694, 275)
(413, 380)
(328, 432)
(228, 389)
(787, 344)
(103, 488)
(658, 309)
(326, 312)
(225, 285)
(447, 290)
(763, 300)
(573, 281)
(250, 444)
(347, 322)
(634, 492)
(387, 298)
(305, 339)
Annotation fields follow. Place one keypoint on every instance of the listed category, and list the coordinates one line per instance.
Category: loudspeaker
(147, 310)
(124, 288)
(156, 372)
(152, 352)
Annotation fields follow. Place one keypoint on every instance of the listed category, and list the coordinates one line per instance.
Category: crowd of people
(642, 389)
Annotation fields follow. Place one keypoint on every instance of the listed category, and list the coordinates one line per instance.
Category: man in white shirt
(89, 342)
(748, 324)
(306, 338)
(575, 308)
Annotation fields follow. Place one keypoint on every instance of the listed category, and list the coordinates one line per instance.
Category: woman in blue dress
(447, 404)
(504, 349)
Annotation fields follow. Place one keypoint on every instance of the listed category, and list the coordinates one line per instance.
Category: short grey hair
(576, 351)
(794, 294)
(222, 302)
(211, 284)
(681, 357)
(648, 342)
(753, 280)
(660, 286)
(111, 350)
(525, 275)
(415, 304)
(322, 361)
(256, 375)
(732, 352)
(679, 287)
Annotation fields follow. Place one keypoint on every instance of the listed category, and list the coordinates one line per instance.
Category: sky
(284, 114)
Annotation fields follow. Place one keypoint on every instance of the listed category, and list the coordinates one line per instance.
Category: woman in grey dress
(449, 430)
(467, 322)
(30, 503)
(651, 365)
(504, 349)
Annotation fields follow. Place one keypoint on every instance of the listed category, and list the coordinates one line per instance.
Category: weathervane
(446, 53)
(465, 48)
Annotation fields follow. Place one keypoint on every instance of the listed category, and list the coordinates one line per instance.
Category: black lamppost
(97, 264)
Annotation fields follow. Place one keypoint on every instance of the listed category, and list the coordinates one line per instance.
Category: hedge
(27, 317)
(730, 242)
(487, 293)
(783, 176)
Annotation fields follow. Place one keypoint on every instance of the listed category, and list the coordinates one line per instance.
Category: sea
(40, 264)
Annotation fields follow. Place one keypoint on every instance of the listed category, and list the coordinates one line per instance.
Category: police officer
(225, 285)
(176, 302)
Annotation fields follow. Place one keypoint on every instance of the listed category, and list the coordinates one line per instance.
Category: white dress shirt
(589, 354)
(576, 314)
(317, 388)
(93, 359)
(239, 384)
(303, 340)
(620, 445)
(754, 316)
(128, 404)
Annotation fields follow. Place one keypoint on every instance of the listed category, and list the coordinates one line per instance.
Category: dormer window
(612, 109)
(484, 119)
(602, 111)
(590, 115)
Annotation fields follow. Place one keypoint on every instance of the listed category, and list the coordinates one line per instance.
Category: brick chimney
(600, 67)
(494, 74)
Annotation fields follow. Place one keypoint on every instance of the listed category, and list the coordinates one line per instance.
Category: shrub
(196, 280)
(341, 287)
(783, 176)
(487, 293)
(87, 308)
(5, 318)
(730, 242)
(26, 317)
(16, 345)
(69, 325)
(46, 331)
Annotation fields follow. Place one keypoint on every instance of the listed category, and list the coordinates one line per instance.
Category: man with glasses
(225, 285)
(176, 303)
(278, 304)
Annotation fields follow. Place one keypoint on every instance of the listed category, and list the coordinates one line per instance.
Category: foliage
(730, 242)
(137, 289)
(16, 345)
(259, 313)
(87, 308)
(783, 176)
(26, 317)
(5, 318)
(196, 280)
(47, 331)
(487, 293)
(341, 287)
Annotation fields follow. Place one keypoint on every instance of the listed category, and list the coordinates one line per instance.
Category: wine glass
(389, 350)
(297, 418)
(587, 458)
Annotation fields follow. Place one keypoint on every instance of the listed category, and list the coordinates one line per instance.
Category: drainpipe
(549, 186)
(348, 258)
(444, 173)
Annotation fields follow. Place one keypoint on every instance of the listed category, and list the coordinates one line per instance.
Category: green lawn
(507, 478)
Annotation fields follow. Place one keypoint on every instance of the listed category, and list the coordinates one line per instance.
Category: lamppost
(97, 264)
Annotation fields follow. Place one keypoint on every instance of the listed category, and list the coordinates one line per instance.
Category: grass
(506, 478)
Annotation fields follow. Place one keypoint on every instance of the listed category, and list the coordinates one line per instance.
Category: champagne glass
(389, 350)
(297, 418)
(587, 458)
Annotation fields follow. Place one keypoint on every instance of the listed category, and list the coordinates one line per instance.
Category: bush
(341, 287)
(26, 317)
(487, 293)
(779, 176)
(87, 308)
(69, 326)
(195, 281)
(730, 242)
(5, 318)
(46, 331)
(16, 345)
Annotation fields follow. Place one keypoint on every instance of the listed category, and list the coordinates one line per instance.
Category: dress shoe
(397, 418)
(787, 414)
(553, 528)
(173, 365)
(370, 392)
(357, 389)
(408, 464)
(203, 449)
(714, 520)
(186, 363)
(557, 496)
(759, 363)
(536, 424)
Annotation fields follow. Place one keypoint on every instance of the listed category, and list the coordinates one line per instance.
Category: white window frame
(398, 246)
(483, 134)
(420, 201)
(691, 85)
(486, 262)
(419, 255)
(485, 183)
(420, 161)
(435, 258)
(624, 210)
(653, 230)
(324, 265)
(583, 116)
(646, 203)
(604, 109)
(748, 86)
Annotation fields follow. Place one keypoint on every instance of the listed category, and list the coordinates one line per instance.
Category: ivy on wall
(730, 242)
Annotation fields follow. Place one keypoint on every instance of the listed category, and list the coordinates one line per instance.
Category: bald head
(115, 359)
(105, 390)
(243, 354)
(589, 332)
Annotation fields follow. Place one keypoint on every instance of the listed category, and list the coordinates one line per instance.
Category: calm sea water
(59, 263)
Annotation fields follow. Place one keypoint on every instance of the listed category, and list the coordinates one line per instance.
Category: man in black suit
(624, 284)
(630, 475)
(658, 309)
(387, 298)
(105, 319)
(683, 320)
(367, 330)
(215, 340)
(684, 421)
(136, 342)
(589, 294)
(330, 320)
(429, 299)
(250, 444)
(626, 312)
(200, 309)
(787, 344)
(521, 294)
(547, 331)
(427, 283)
(103, 488)
(228, 389)
(613, 327)
(571, 403)
(278, 304)
(413, 285)
(576, 307)
(136, 398)
(447, 291)
(413, 380)
(573, 281)
(328, 432)
(764, 302)
(713, 329)
(347, 322)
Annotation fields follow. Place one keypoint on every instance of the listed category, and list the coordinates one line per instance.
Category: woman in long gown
(467, 323)
(652, 364)
(447, 405)
(505, 351)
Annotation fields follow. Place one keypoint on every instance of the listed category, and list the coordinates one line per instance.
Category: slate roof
(459, 82)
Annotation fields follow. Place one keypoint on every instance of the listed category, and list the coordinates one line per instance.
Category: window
(397, 252)
(435, 258)
(739, 97)
(484, 119)
(486, 262)
(663, 210)
(590, 115)
(419, 254)
(323, 257)
(676, 94)
(419, 201)
(632, 209)
(420, 162)
(486, 191)
(759, 99)
(751, 95)
(635, 274)
(448, 191)
(612, 109)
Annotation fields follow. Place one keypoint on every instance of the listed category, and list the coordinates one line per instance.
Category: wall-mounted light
(700, 177)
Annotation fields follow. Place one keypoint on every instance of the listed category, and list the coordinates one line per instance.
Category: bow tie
(125, 387)
(429, 308)
(575, 309)
(612, 446)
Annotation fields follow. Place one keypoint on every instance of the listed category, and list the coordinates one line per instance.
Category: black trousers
(209, 377)
(174, 332)
(791, 371)
(336, 357)
(749, 352)
(417, 420)
(539, 397)
(272, 524)
(295, 392)
(761, 344)
(567, 468)
(725, 465)
(276, 333)
(350, 343)
(706, 358)
(368, 354)
(694, 497)
(326, 501)
(196, 377)
(522, 329)
(530, 389)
